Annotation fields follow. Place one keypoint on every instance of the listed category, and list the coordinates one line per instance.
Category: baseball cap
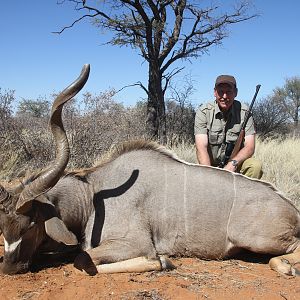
(226, 79)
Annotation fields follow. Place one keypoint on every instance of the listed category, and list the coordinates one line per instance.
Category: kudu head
(27, 217)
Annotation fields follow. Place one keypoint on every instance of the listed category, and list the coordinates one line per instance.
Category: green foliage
(275, 113)
(288, 98)
(269, 118)
(34, 108)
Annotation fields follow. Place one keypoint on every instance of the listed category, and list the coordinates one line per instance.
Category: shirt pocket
(216, 136)
(233, 133)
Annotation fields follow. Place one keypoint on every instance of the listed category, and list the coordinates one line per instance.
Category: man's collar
(219, 114)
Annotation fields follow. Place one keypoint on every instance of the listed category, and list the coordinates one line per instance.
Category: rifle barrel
(250, 107)
(254, 97)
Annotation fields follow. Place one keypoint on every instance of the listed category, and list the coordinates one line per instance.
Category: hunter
(217, 127)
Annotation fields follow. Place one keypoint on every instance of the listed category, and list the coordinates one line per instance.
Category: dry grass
(281, 163)
(185, 151)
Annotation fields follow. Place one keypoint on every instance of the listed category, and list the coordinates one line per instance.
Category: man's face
(225, 94)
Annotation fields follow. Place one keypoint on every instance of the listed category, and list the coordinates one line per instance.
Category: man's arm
(201, 141)
(246, 152)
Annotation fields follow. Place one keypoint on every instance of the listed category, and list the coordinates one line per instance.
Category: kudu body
(141, 205)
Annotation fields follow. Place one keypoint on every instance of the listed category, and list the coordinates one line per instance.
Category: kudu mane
(118, 150)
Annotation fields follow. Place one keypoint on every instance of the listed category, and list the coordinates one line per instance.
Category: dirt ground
(192, 279)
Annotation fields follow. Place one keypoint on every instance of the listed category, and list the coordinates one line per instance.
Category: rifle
(232, 149)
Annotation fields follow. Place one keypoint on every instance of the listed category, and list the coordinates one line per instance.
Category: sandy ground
(192, 279)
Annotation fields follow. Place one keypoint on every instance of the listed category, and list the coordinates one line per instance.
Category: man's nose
(225, 95)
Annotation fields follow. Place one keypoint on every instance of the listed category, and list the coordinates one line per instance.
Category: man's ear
(215, 92)
(236, 92)
(58, 231)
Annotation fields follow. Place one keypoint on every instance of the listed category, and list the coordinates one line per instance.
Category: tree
(35, 108)
(6, 100)
(180, 112)
(269, 117)
(163, 31)
(288, 98)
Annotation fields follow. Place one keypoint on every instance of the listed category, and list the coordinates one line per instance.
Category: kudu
(140, 206)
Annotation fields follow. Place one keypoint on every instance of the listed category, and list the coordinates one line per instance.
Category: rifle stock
(238, 144)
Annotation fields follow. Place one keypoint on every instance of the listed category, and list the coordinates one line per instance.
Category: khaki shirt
(211, 121)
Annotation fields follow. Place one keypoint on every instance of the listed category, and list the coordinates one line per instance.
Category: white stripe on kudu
(11, 247)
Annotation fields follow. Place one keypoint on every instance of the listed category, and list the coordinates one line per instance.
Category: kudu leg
(288, 264)
(120, 257)
(138, 264)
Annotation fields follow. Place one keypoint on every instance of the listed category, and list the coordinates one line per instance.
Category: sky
(35, 62)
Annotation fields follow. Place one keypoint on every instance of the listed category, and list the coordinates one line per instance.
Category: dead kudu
(141, 205)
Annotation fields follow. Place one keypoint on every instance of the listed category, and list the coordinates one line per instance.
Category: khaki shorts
(252, 168)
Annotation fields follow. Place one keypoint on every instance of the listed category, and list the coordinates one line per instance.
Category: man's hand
(246, 152)
(230, 167)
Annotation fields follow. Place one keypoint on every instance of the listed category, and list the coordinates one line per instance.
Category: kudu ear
(58, 231)
(27, 206)
(55, 228)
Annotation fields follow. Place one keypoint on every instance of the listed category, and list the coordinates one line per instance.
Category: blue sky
(35, 62)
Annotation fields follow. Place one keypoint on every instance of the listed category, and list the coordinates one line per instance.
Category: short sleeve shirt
(221, 129)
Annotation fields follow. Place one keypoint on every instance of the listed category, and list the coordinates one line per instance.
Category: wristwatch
(234, 163)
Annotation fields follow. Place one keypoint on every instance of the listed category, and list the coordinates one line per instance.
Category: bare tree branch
(169, 76)
(134, 84)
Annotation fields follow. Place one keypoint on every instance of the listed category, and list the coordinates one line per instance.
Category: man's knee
(252, 167)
